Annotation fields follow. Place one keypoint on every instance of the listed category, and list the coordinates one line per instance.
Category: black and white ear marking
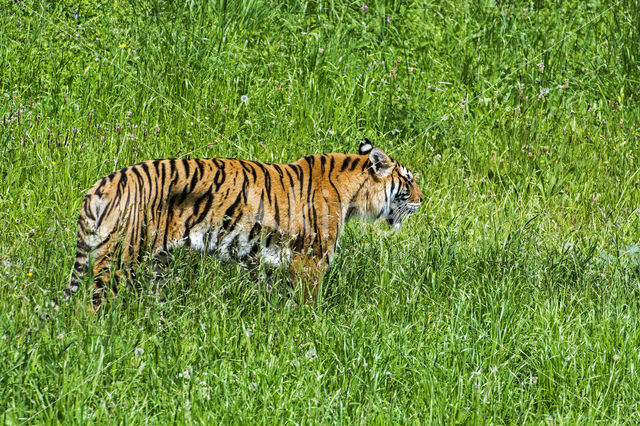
(380, 162)
(365, 147)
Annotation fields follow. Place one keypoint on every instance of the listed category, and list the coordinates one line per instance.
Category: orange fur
(280, 213)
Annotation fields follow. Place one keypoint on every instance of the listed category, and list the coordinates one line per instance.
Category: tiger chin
(287, 215)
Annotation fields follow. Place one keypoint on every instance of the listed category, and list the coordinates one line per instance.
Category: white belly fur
(272, 256)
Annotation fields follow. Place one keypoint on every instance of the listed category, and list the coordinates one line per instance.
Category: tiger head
(392, 191)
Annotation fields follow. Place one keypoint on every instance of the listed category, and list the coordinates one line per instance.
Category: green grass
(511, 297)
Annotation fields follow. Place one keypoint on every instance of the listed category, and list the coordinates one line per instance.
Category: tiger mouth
(412, 207)
(395, 217)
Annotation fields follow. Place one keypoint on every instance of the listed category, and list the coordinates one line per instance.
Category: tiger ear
(380, 162)
(365, 147)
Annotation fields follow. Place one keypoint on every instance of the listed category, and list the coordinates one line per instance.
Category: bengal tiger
(279, 214)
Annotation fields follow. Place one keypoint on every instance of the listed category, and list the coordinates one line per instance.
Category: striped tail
(80, 268)
(86, 226)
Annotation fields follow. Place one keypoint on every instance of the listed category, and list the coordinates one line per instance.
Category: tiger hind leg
(160, 275)
(106, 278)
(113, 266)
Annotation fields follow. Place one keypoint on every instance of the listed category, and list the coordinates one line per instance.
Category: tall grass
(512, 295)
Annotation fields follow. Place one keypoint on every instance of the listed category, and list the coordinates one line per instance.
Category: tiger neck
(352, 188)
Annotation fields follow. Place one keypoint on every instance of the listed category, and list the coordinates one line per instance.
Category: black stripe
(133, 217)
(310, 159)
(110, 205)
(103, 242)
(350, 203)
(135, 171)
(345, 164)
(200, 166)
(106, 211)
(83, 229)
(331, 166)
(87, 211)
(245, 186)
(298, 171)
(103, 182)
(267, 180)
(253, 172)
(152, 193)
(152, 185)
(309, 185)
(314, 222)
(186, 190)
(279, 170)
(260, 212)
(220, 175)
(143, 235)
(277, 213)
(82, 246)
(194, 180)
(255, 230)
(196, 206)
(304, 217)
(81, 256)
(187, 169)
(293, 185)
(145, 169)
(158, 202)
(228, 215)
(246, 165)
(172, 201)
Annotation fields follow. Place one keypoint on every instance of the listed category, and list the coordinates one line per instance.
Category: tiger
(280, 215)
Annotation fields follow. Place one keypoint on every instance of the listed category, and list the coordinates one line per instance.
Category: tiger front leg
(308, 271)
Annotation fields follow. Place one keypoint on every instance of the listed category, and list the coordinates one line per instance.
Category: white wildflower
(186, 374)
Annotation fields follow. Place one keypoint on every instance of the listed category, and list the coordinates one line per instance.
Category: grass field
(512, 296)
